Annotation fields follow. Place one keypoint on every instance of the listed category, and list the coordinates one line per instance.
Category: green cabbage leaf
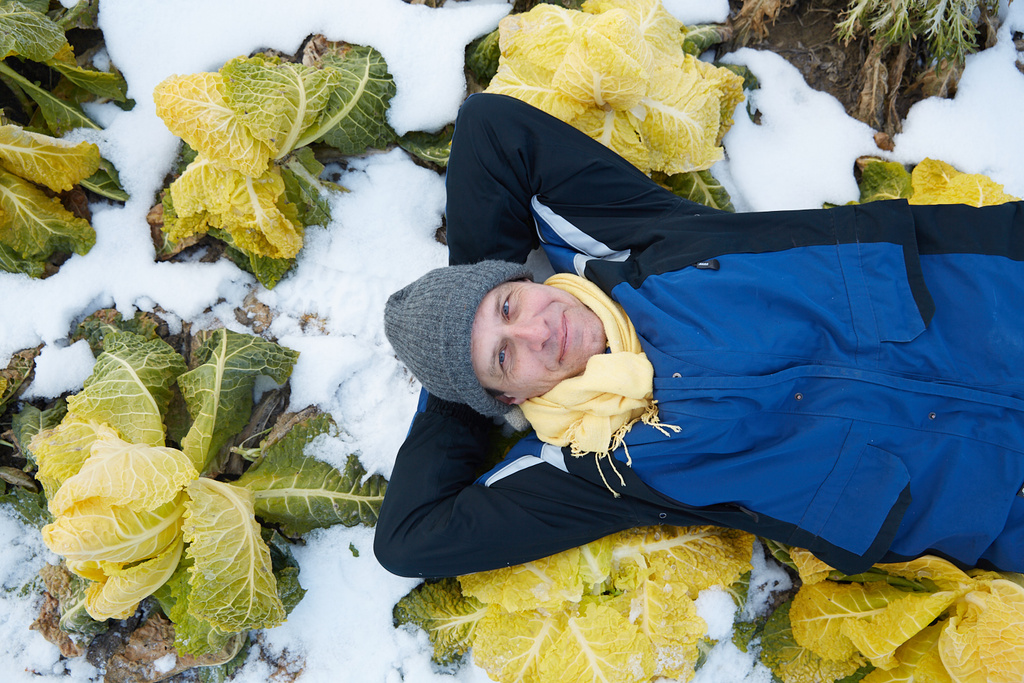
(447, 615)
(277, 101)
(300, 493)
(34, 226)
(219, 390)
(355, 118)
(29, 34)
(192, 635)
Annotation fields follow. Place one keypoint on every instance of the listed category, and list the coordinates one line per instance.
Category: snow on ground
(801, 155)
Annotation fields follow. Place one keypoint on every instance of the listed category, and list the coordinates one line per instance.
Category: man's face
(528, 337)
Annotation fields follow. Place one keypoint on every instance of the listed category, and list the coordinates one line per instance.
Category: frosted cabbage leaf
(61, 450)
(34, 226)
(118, 595)
(251, 208)
(277, 101)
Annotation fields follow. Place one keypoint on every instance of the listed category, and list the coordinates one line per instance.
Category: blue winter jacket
(847, 380)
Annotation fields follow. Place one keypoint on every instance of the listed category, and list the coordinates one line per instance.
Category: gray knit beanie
(429, 324)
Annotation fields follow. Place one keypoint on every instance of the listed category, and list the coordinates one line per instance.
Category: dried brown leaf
(883, 141)
(874, 77)
(754, 17)
(152, 641)
(48, 625)
(314, 49)
(254, 314)
(941, 80)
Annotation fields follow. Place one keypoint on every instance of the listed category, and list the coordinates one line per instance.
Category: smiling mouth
(564, 332)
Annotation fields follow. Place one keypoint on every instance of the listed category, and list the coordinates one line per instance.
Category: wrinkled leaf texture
(703, 556)
(14, 376)
(268, 270)
(598, 644)
(303, 188)
(793, 663)
(250, 208)
(300, 493)
(195, 108)
(277, 101)
(618, 72)
(697, 186)
(119, 595)
(356, 115)
(122, 474)
(61, 450)
(45, 160)
(35, 226)
(28, 33)
(448, 617)
(192, 635)
(219, 390)
(12, 262)
(882, 180)
(547, 583)
(92, 531)
(668, 618)
(69, 589)
(936, 182)
(510, 645)
(233, 585)
(130, 387)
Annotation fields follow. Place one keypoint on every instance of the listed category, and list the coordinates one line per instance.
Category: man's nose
(533, 332)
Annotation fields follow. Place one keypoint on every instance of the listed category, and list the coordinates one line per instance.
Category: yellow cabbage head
(250, 208)
(984, 639)
(118, 521)
(618, 609)
(618, 72)
(942, 624)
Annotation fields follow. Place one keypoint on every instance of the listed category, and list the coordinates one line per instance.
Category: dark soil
(803, 35)
(875, 84)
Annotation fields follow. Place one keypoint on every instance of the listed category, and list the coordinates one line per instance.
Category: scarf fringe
(649, 417)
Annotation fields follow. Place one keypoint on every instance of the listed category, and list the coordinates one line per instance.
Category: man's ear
(509, 401)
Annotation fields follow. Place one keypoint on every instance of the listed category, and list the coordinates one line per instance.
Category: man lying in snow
(849, 380)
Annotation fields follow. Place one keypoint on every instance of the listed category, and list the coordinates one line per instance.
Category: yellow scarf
(592, 412)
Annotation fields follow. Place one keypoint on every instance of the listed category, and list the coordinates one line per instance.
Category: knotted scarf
(593, 411)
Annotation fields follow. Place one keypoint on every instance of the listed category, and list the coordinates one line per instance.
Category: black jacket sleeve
(506, 152)
(435, 521)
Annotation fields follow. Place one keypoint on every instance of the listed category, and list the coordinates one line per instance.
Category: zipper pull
(710, 264)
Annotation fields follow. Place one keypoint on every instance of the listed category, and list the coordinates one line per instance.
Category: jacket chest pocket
(883, 304)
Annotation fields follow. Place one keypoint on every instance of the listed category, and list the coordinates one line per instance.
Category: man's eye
(504, 309)
(501, 358)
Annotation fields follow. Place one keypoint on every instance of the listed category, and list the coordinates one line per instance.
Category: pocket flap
(851, 506)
